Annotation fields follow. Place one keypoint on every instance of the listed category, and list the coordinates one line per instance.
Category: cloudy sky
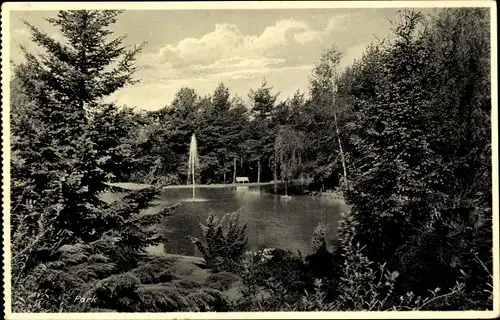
(201, 48)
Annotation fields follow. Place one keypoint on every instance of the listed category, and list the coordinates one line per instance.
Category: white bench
(242, 180)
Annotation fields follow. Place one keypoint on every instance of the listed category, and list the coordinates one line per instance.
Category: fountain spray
(193, 161)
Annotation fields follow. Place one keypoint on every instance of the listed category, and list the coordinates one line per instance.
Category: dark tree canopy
(402, 135)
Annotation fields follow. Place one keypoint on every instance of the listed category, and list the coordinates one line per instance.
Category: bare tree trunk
(234, 171)
(258, 173)
(224, 177)
(275, 176)
(340, 147)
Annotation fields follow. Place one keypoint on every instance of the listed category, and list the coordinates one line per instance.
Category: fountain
(193, 162)
(286, 196)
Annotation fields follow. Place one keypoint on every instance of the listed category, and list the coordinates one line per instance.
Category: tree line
(405, 131)
(264, 141)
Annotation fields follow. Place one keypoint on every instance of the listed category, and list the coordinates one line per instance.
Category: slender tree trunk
(258, 173)
(275, 174)
(340, 147)
(224, 177)
(234, 171)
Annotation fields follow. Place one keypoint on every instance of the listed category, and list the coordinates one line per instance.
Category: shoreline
(329, 194)
(138, 186)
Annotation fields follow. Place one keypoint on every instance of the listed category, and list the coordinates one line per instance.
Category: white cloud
(152, 96)
(306, 36)
(227, 51)
(279, 34)
(239, 63)
(284, 53)
(226, 42)
(334, 26)
(241, 74)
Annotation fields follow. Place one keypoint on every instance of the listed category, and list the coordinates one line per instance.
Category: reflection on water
(272, 222)
(193, 200)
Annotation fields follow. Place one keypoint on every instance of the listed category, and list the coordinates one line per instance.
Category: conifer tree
(214, 130)
(261, 142)
(65, 238)
(177, 123)
(112, 130)
(411, 200)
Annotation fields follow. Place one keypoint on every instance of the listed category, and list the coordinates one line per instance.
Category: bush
(166, 180)
(363, 287)
(316, 301)
(272, 280)
(221, 281)
(223, 251)
(282, 267)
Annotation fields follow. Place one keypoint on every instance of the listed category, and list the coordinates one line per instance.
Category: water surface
(272, 221)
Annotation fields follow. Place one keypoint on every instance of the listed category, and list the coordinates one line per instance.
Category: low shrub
(322, 264)
(223, 250)
(272, 279)
(221, 281)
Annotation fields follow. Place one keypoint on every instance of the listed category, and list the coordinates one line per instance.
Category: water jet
(193, 162)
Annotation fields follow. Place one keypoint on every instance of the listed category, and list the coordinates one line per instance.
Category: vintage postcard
(234, 160)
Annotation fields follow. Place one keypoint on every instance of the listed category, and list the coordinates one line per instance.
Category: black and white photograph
(250, 160)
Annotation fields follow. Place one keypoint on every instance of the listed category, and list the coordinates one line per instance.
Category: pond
(272, 221)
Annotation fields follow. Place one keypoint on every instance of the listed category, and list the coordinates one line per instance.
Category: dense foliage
(223, 251)
(67, 242)
(405, 132)
(422, 194)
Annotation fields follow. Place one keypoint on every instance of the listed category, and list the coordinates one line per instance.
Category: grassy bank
(191, 268)
(138, 186)
(329, 194)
